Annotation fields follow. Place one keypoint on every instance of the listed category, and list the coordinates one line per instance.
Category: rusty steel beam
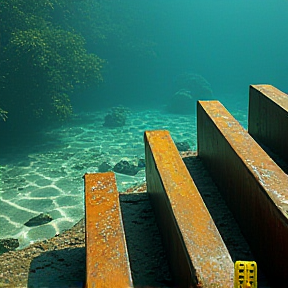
(107, 263)
(254, 187)
(268, 118)
(195, 250)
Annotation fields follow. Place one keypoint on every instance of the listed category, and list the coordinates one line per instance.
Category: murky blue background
(230, 43)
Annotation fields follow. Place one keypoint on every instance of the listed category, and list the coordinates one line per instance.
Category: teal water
(48, 177)
(146, 45)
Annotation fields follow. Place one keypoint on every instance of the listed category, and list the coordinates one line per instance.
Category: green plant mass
(42, 64)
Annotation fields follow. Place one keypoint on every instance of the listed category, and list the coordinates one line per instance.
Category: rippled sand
(48, 176)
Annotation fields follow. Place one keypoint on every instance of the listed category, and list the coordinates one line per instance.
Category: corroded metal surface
(195, 250)
(107, 263)
(268, 118)
(254, 187)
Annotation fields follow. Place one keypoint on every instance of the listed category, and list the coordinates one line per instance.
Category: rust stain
(107, 263)
(208, 259)
(253, 185)
(264, 169)
(268, 118)
(274, 94)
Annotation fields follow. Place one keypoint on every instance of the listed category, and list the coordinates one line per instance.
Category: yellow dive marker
(245, 274)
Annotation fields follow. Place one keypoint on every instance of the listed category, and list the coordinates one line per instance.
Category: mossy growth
(42, 63)
(190, 88)
(116, 117)
(198, 86)
(3, 114)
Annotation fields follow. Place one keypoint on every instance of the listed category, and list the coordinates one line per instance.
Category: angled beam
(254, 187)
(107, 263)
(195, 250)
(268, 118)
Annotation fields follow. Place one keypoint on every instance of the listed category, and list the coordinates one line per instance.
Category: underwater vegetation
(190, 88)
(49, 54)
(42, 63)
(60, 55)
(3, 114)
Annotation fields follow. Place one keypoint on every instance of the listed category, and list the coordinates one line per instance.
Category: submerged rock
(124, 167)
(141, 163)
(190, 88)
(116, 117)
(104, 167)
(198, 86)
(41, 219)
(182, 146)
(8, 244)
(182, 102)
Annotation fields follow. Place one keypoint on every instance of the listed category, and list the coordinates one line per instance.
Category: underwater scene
(80, 82)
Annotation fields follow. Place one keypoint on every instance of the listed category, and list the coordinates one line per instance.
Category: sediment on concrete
(195, 250)
(268, 118)
(223, 218)
(107, 262)
(253, 185)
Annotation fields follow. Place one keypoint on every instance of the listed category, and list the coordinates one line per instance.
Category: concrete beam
(195, 250)
(268, 118)
(254, 187)
(107, 263)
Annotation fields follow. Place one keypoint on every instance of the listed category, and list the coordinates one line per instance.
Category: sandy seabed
(47, 178)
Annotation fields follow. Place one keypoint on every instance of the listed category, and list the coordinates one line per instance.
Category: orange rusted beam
(195, 250)
(268, 118)
(107, 263)
(255, 188)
